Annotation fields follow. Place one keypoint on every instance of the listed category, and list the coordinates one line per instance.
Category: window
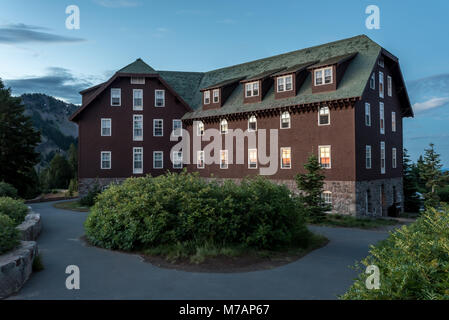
(325, 156)
(382, 157)
(286, 158)
(368, 157)
(223, 159)
(200, 159)
(200, 128)
(138, 127)
(389, 86)
(382, 117)
(252, 158)
(284, 83)
(177, 128)
(137, 80)
(216, 95)
(224, 126)
(137, 99)
(116, 97)
(252, 123)
(372, 81)
(327, 198)
(368, 201)
(206, 97)
(106, 130)
(105, 160)
(367, 114)
(324, 116)
(393, 121)
(380, 62)
(394, 158)
(177, 160)
(323, 76)
(158, 127)
(138, 160)
(158, 159)
(381, 84)
(285, 120)
(159, 98)
(252, 89)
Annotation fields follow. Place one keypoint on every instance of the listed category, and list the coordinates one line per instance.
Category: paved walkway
(322, 274)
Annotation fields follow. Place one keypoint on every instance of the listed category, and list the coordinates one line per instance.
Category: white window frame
(393, 121)
(179, 161)
(135, 152)
(226, 165)
(174, 129)
(200, 156)
(282, 81)
(249, 157)
(382, 157)
(394, 158)
(103, 127)
(323, 76)
(224, 123)
(367, 114)
(372, 82)
(381, 62)
(154, 127)
(368, 156)
(155, 98)
(199, 126)
(119, 97)
(135, 118)
(381, 85)
(323, 195)
(288, 116)
(249, 121)
(382, 117)
(137, 80)
(136, 107)
(206, 97)
(282, 153)
(251, 86)
(110, 160)
(162, 159)
(330, 156)
(389, 86)
(328, 114)
(216, 91)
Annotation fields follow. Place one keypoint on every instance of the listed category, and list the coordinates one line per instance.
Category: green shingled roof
(137, 66)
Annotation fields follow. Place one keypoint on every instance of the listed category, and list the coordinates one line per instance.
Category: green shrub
(89, 199)
(15, 209)
(7, 190)
(413, 261)
(9, 235)
(180, 208)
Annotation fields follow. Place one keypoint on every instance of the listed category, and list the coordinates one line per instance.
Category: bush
(180, 208)
(444, 194)
(89, 199)
(413, 261)
(7, 190)
(9, 235)
(15, 209)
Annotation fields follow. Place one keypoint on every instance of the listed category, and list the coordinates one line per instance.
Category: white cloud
(430, 104)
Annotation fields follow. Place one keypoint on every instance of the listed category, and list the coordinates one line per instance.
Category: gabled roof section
(138, 67)
(334, 60)
(223, 83)
(294, 69)
(263, 75)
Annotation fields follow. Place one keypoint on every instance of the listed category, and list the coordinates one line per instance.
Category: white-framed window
(224, 126)
(381, 84)
(394, 158)
(327, 198)
(285, 83)
(137, 80)
(380, 62)
(372, 81)
(368, 161)
(252, 158)
(286, 158)
(389, 86)
(106, 127)
(177, 160)
(324, 117)
(382, 118)
(323, 76)
(206, 95)
(137, 99)
(138, 160)
(200, 128)
(177, 128)
(158, 159)
(159, 98)
(382, 157)
(325, 156)
(252, 89)
(158, 127)
(223, 159)
(216, 95)
(367, 114)
(106, 160)
(116, 97)
(138, 127)
(393, 121)
(285, 120)
(252, 123)
(200, 159)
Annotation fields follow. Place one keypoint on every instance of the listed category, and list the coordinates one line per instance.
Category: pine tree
(411, 199)
(59, 173)
(72, 157)
(311, 186)
(431, 173)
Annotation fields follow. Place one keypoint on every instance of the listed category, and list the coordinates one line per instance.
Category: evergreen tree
(416, 170)
(17, 142)
(411, 199)
(311, 186)
(431, 173)
(59, 173)
(72, 157)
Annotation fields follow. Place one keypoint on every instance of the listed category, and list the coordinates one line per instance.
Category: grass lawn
(71, 205)
(337, 220)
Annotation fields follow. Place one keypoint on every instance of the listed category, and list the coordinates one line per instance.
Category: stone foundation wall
(31, 228)
(85, 184)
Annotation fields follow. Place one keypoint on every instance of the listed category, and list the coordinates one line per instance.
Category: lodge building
(343, 101)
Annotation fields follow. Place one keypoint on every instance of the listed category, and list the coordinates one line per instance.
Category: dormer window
(284, 83)
(216, 95)
(252, 123)
(224, 126)
(206, 97)
(252, 89)
(323, 76)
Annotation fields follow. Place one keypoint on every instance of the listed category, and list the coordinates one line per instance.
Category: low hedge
(9, 235)
(180, 208)
(7, 190)
(15, 209)
(413, 261)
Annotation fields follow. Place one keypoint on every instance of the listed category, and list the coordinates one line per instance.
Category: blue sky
(36, 48)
